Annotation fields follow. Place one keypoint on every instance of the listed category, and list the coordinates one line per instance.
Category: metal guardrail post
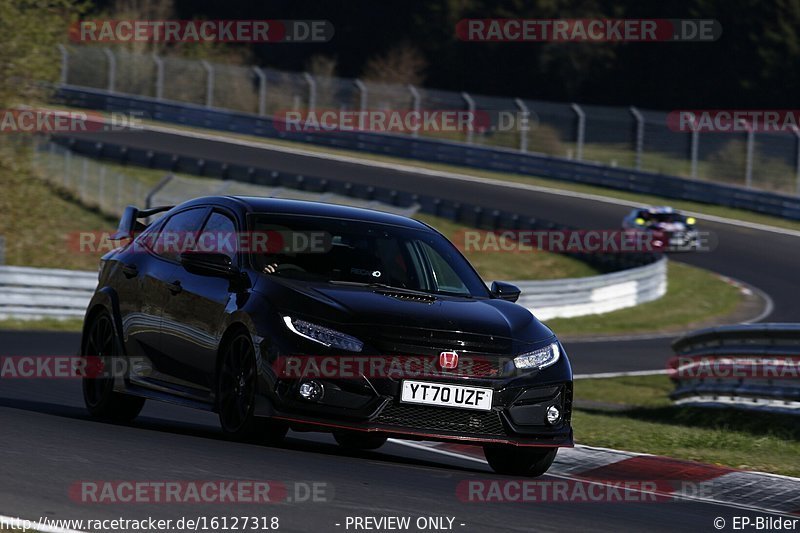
(416, 101)
(112, 68)
(471, 108)
(524, 124)
(748, 163)
(312, 91)
(362, 94)
(209, 82)
(639, 143)
(159, 76)
(581, 134)
(262, 91)
(64, 64)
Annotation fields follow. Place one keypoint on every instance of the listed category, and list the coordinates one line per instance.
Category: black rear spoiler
(129, 224)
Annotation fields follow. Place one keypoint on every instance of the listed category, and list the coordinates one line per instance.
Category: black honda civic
(281, 314)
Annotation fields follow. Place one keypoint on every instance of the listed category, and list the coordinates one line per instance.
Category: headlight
(541, 358)
(691, 221)
(325, 336)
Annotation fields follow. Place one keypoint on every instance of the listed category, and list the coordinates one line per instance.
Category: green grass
(694, 296)
(44, 324)
(512, 266)
(635, 414)
(37, 219)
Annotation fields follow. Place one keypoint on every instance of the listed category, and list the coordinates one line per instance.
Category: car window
(219, 235)
(353, 251)
(179, 233)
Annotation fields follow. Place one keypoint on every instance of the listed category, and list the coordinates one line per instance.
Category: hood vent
(408, 297)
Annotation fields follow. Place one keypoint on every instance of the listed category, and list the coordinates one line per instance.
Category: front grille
(443, 419)
(468, 366)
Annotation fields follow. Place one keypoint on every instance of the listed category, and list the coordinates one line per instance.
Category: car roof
(261, 204)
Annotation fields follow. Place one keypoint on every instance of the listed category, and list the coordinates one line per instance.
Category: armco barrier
(751, 366)
(33, 293)
(595, 294)
(500, 159)
(30, 293)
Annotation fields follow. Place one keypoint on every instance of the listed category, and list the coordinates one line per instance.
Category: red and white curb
(756, 491)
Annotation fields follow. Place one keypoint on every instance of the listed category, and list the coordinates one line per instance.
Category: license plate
(447, 395)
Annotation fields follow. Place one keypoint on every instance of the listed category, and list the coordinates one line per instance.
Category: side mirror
(505, 291)
(208, 264)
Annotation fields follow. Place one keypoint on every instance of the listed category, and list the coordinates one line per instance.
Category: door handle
(175, 287)
(130, 270)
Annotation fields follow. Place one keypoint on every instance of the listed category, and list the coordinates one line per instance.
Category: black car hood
(359, 306)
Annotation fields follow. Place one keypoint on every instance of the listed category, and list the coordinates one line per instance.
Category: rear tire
(236, 393)
(519, 461)
(355, 440)
(98, 391)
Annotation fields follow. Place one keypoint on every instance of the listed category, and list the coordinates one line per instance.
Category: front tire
(236, 393)
(98, 391)
(519, 461)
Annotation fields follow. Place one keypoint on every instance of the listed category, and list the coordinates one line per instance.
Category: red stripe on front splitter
(655, 469)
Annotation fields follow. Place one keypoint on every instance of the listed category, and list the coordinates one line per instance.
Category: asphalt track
(47, 441)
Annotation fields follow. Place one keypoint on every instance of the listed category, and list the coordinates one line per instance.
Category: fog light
(553, 415)
(311, 390)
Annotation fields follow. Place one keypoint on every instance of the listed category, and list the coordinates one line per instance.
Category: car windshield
(333, 250)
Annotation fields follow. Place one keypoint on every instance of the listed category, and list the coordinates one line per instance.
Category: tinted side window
(219, 235)
(179, 233)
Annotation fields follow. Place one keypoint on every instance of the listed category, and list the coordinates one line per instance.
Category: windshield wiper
(402, 290)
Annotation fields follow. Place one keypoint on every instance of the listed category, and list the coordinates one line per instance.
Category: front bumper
(517, 416)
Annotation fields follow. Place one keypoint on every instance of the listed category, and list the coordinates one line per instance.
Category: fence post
(581, 131)
(362, 94)
(209, 83)
(159, 76)
(112, 68)
(312, 91)
(524, 126)
(102, 187)
(748, 163)
(639, 146)
(694, 147)
(64, 63)
(67, 167)
(415, 104)
(471, 108)
(796, 131)
(262, 91)
(84, 178)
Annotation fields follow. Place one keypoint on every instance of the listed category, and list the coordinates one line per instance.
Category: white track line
(602, 375)
(454, 176)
